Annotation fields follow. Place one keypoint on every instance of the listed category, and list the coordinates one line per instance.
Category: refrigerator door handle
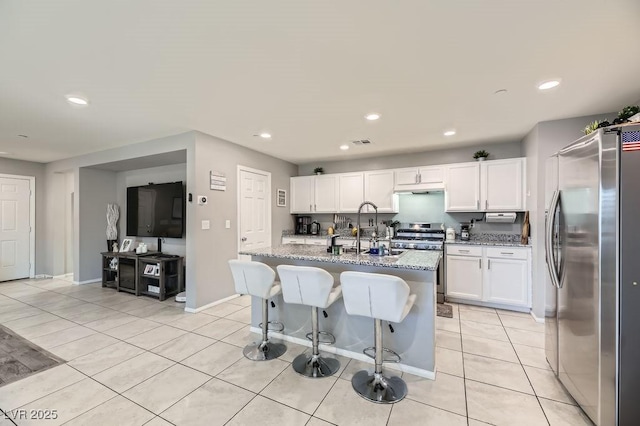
(548, 240)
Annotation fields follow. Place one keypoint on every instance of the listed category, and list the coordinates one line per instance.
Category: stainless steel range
(422, 236)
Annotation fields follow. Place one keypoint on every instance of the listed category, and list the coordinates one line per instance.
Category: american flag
(631, 141)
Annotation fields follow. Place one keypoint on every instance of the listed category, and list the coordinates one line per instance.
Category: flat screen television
(156, 210)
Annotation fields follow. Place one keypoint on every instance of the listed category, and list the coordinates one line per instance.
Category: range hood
(421, 188)
(500, 217)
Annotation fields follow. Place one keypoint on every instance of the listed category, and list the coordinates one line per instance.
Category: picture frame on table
(126, 245)
(156, 270)
(281, 198)
(149, 269)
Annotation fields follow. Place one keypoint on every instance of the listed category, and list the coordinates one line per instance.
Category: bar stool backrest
(253, 278)
(374, 295)
(305, 285)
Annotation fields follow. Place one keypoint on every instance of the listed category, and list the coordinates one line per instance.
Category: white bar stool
(257, 279)
(381, 297)
(312, 287)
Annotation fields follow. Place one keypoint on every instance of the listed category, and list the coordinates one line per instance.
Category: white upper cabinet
(326, 194)
(462, 187)
(407, 176)
(302, 194)
(502, 185)
(419, 178)
(351, 192)
(378, 188)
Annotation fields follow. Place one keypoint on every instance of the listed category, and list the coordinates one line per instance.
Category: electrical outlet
(202, 200)
(206, 224)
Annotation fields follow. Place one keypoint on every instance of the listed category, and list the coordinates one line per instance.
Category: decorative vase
(318, 173)
(481, 158)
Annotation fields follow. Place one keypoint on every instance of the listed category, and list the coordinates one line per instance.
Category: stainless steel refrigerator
(592, 249)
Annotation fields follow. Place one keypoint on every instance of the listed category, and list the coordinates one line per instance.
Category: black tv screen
(156, 210)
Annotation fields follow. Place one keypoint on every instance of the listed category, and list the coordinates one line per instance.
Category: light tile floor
(135, 361)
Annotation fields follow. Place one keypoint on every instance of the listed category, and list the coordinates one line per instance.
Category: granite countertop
(426, 260)
(487, 242)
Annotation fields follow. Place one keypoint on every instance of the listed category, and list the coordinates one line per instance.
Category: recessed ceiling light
(344, 147)
(77, 100)
(548, 84)
(265, 135)
(450, 133)
(372, 117)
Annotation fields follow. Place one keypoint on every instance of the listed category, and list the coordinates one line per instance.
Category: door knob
(243, 239)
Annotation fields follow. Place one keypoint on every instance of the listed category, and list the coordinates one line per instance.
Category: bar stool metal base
(315, 366)
(264, 351)
(378, 388)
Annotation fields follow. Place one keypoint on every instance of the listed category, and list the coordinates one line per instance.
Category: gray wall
(544, 140)
(206, 251)
(96, 188)
(214, 247)
(163, 174)
(424, 158)
(27, 168)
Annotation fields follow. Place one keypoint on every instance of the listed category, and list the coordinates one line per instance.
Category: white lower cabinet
(495, 276)
(464, 277)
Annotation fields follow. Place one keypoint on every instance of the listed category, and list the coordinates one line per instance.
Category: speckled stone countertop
(412, 259)
(492, 239)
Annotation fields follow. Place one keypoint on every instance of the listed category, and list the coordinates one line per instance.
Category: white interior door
(14, 229)
(255, 207)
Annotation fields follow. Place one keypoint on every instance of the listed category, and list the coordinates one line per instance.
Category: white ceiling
(306, 71)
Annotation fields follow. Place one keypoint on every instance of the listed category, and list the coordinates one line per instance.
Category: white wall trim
(427, 374)
(210, 305)
(536, 319)
(242, 168)
(95, 280)
(32, 219)
(63, 276)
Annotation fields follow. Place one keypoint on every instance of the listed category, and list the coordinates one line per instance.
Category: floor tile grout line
(464, 375)
(535, 393)
(5, 416)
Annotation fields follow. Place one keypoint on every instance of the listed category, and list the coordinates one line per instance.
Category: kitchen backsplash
(427, 208)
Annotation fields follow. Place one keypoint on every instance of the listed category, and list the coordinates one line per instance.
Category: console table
(166, 278)
(125, 276)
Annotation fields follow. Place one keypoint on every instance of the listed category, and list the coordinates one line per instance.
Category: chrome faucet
(359, 230)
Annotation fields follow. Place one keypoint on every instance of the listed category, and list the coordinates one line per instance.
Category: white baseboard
(427, 374)
(42, 276)
(95, 280)
(63, 276)
(210, 305)
(536, 319)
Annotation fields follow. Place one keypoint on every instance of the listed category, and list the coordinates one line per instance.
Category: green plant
(318, 170)
(591, 127)
(480, 154)
(628, 111)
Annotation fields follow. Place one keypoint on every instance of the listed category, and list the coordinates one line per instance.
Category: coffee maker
(464, 231)
(303, 225)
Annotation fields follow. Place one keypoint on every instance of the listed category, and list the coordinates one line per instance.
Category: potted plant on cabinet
(318, 170)
(481, 155)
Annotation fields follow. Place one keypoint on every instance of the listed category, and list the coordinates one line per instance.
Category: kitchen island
(413, 339)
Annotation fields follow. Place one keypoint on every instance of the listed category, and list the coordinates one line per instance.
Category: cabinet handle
(419, 177)
(477, 204)
(315, 208)
(480, 263)
(310, 207)
(488, 263)
(506, 252)
(486, 204)
(463, 251)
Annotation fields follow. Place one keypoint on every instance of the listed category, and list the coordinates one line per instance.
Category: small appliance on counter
(315, 228)
(451, 234)
(303, 225)
(464, 231)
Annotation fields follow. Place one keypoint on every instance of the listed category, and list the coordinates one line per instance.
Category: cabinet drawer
(464, 250)
(286, 240)
(507, 253)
